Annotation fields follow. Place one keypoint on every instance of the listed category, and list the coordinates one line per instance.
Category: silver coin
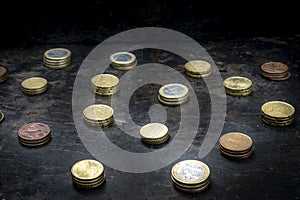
(173, 90)
(190, 171)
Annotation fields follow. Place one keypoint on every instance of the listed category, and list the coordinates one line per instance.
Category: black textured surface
(44, 172)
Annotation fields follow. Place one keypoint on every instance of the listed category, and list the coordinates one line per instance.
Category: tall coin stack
(34, 134)
(105, 84)
(277, 113)
(87, 174)
(197, 68)
(123, 60)
(57, 58)
(154, 133)
(238, 86)
(236, 145)
(98, 115)
(34, 85)
(3, 74)
(173, 94)
(275, 71)
(190, 176)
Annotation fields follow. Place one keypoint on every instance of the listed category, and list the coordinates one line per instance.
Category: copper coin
(274, 67)
(3, 74)
(34, 131)
(235, 141)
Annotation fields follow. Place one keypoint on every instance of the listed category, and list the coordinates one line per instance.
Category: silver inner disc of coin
(173, 90)
(123, 57)
(190, 171)
(57, 53)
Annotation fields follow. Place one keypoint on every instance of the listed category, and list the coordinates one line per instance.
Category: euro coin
(278, 109)
(34, 85)
(87, 169)
(237, 83)
(1, 116)
(105, 84)
(34, 134)
(3, 74)
(235, 141)
(198, 68)
(98, 114)
(123, 60)
(276, 71)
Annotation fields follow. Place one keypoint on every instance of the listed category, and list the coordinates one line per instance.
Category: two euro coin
(57, 58)
(173, 94)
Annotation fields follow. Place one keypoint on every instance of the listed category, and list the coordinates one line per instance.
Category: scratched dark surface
(272, 172)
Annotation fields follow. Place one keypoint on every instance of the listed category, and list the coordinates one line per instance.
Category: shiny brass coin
(156, 142)
(235, 141)
(87, 169)
(153, 131)
(238, 94)
(282, 119)
(90, 186)
(34, 92)
(173, 91)
(88, 182)
(34, 83)
(190, 172)
(278, 109)
(192, 190)
(172, 103)
(237, 83)
(98, 112)
(57, 54)
(105, 81)
(198, 67)
(1, 116)
(105, 123)
(277, 124)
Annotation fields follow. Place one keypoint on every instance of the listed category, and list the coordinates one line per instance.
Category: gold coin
(190, 172)
(122, 58)
(198, 75)
(173, 91)
(1, 116)
(192, 190)
(198, 67)
(235, 141)
(34, 83)
(278, 109)
(105, 81)
(237, 83)
(57, 54)
(98, 112)
(153, 131)
(87, 169)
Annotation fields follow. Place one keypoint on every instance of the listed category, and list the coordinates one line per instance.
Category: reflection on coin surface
(198, 66)
(87, 169)
(34, 83)
(237, 83)
(274, 67)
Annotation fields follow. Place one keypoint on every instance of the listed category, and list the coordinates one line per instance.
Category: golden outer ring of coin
(98, 112)
(1, 116)
(277, 119)
(113, 60)
(105, 81)
(198, 67)
(235, 141)
(68, 54)
(183, 94)
(91, 169)
(278, 109)
(153, 131)
(92, 181)
(237, 83)
(34, 83)
(200, 164)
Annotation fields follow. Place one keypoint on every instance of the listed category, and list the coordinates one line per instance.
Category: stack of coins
(154, 133)
(87, 174)
(34, 134)
(1, 116)
(197, 68)
(34, 85)
(105, 84)
(238, 86)
(57, 58)
(123, 60)
(190, 176)
(3, 74)
(236, 145)
(275, 71)
(173, 94)
(98, 115)
(277, 113)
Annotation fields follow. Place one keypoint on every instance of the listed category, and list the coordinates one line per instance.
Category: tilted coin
(198, 67)
(33, 131)
(235, 141)
(237, 83)
(98, 112)
(87, 169)
(105, 80)
(173, 91)
(278, 109)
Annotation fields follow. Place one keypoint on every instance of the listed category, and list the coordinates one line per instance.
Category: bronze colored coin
(105, 80)
(235, 141)
(3, 74)
(2, 71)
(274, 67)
(278, 109)
(34, 131)
(237, 83)
(234, 152)
(34, 83)
(190, 172)
(1, 116)
(90, 186)
(98, 112)
(34, 141)
(287, 76)
(198, 67)
(28, 144)
(87, 169)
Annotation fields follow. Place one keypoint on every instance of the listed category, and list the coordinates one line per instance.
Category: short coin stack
(1, 116)
(173, 94)
(123, 60)
(236, 145)
(275, 71)
(105, 84)
(198, 68)
(87, 174)
(34, 134)
(190, 176)
(57, 58)
(154, 133)
(3, 74)
(98, 115)
(238, 86)
(34, 85)
(277, 113)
